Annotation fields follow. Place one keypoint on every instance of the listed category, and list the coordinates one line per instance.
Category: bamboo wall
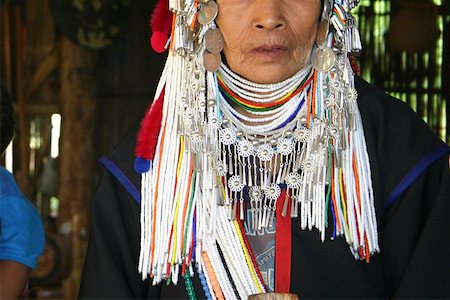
(406, 53)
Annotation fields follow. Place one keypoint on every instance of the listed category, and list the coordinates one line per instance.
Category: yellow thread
(344, 206)
(222, 187)
(341, 190)
(247, 257)
(180, 160)
(177, 207)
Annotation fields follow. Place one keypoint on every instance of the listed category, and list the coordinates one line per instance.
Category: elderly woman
(264, 165)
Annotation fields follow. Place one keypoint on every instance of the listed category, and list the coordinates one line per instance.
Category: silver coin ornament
(211, 61)
(214, 40)
(207, 13)
(323, 59)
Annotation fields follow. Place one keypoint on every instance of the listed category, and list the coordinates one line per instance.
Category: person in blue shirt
(22, 237)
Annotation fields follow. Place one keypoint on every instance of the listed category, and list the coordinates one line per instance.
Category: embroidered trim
(114, 169)
(415, 172)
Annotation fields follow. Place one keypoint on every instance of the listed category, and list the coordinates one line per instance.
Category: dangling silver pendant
(211, 61)
(323, 59)
(207, 13)
(214, 40)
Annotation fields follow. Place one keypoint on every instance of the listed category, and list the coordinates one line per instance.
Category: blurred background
(81, 72)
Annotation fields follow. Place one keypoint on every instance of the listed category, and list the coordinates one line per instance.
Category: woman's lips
(269, 53)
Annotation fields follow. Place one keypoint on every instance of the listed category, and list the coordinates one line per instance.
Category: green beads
(189, 287)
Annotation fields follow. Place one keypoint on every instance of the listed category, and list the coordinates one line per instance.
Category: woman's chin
(269, 74)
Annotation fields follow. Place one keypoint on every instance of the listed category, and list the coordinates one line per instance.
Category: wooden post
(22, 175)
(78, 104)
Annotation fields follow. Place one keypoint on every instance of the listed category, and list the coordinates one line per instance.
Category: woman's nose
(268, 15)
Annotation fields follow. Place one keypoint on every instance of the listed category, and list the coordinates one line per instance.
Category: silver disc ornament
(213, 40)
(323, 59)
(208, 12)
(211, 61)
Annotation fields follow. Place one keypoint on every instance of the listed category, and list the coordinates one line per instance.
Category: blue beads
(205, 286)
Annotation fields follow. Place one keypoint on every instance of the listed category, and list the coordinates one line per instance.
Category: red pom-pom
(159, 41)
(147, 136)
(160, 25)
(354, 64)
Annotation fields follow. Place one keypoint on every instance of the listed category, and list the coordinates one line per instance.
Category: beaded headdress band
(205, 162)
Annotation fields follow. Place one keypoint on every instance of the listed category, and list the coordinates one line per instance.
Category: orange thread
(338, 14)
(212, 277)
(355, 171)
(194, 20)
(172, 36)
(155, 200)
(308, 115)
(366, 244)
(313, 108)
(358, 190)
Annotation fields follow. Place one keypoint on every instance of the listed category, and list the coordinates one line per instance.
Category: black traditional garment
(410, 175)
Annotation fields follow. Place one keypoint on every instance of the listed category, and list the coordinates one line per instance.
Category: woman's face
(267, 41)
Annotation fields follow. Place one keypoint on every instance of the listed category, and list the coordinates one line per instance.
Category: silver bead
(239, 134)
(255, 143)
(288, 134)
(211, 102)
(273, 142)
(181, 52)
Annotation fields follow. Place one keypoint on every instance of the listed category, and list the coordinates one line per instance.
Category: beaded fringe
(206, 160)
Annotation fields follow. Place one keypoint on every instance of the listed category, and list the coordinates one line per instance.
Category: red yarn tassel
(150, 126)
(160, 25)
(354, 63)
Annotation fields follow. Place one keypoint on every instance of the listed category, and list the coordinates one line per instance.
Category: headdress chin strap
(327, 8)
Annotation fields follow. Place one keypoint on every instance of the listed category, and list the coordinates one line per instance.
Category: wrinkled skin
(267, 41)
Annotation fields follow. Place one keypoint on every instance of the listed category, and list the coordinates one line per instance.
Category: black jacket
(411, 183)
